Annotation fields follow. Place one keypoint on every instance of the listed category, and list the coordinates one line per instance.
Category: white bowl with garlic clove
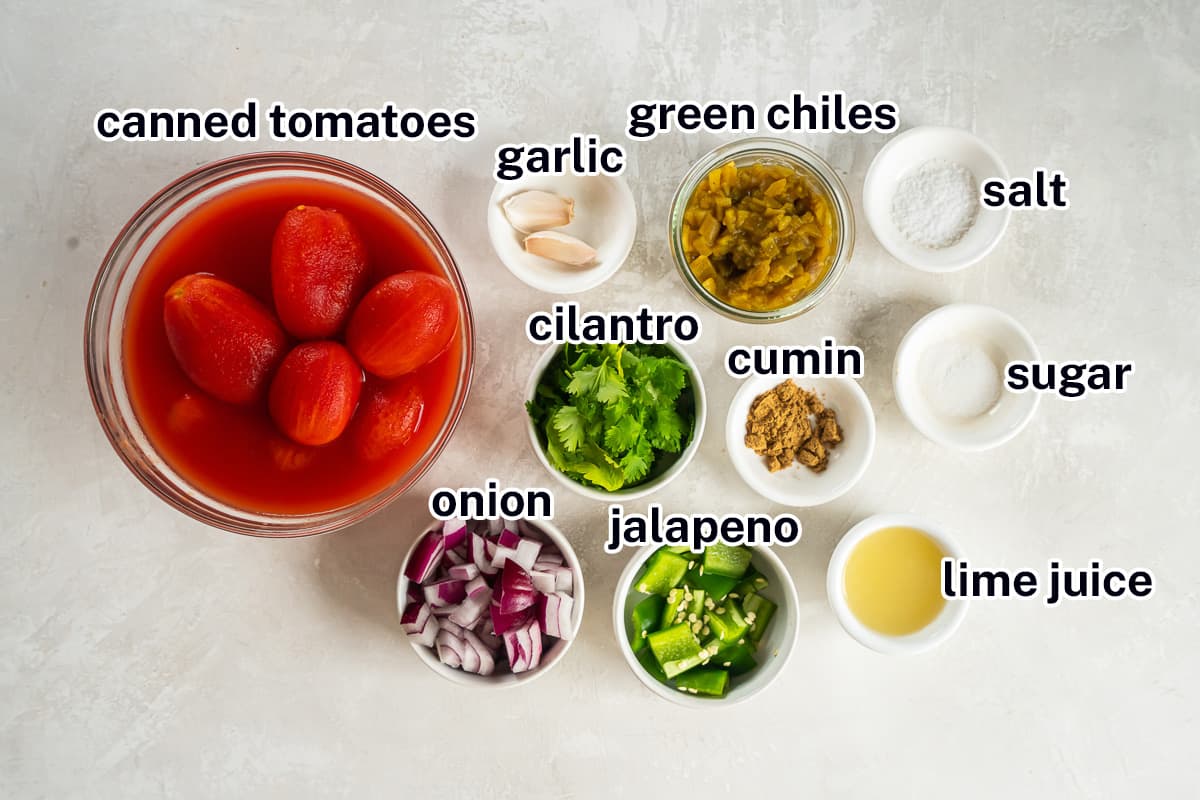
(582, 225)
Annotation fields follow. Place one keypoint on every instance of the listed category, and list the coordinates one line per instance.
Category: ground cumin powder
(790, 424)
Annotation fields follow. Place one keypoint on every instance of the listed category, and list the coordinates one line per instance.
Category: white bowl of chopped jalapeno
(707, 628)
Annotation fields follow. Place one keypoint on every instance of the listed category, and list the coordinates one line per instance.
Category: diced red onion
(503, 623)
(445, 592)
(510, 649)
(554, 612)
(495, 526)
(536, 635)
(428, 634)
(487, 656)
(449, 649)
(548, 558)
(526, 646)
(462, 572)
(454, 558)
(508, 538)
(425, 558)
(444, 611)
(414, 617)
(454, 531)
(487, 634)
(418, 622)
(451, 627)
(480, 556)
(470, 610)
(516, 591)
(501, 557)
(543, 582)
(470, 659)
(564, 581)
(527, 552)
(477, 585)
(413, 592)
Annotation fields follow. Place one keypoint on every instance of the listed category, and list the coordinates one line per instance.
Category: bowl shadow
(878, 331)
(358, 567)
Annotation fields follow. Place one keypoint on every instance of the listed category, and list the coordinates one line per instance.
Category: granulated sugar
(936, 203)
(960, 380)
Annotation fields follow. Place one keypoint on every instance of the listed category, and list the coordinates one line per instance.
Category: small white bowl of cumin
(797, 485)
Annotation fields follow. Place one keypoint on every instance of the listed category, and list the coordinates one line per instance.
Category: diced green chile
(737, 658)
(721, 559)
(664, 571)
(708, 682)
(762, 609)
(727, 623)
(646, 658)
(674, 610)
(716, 586)
(676, 649)
(646, 615)
(752, 581)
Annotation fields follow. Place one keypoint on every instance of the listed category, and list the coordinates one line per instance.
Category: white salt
(935, 203)
(960, 380)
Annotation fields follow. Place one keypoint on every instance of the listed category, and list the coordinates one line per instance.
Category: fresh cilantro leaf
(614, 411)
(605, 475)
(609, 385)
(583, 381)
(666, 430)
(554, 448)
(623, 435)
(635, 464)
(570, 426)
(668, 377)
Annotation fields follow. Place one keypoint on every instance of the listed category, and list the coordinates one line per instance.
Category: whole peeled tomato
(388, 416)
(402, 323)
(225, 341)
(315, 392)
(318, 271)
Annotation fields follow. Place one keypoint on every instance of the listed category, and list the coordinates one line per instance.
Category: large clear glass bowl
(106, 319)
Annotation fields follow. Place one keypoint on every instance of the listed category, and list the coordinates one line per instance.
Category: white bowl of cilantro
(615, 421)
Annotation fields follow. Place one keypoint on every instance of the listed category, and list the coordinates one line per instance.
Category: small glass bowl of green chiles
(710, 627)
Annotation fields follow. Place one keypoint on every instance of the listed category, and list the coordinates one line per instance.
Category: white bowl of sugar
(949, 376)
(921, 198)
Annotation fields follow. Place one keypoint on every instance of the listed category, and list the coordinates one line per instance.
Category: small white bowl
(910, 150)
(799, 486)
(605, 218)
(642, 489)
(987, 329)
(933, 634)
(773, 652)
(550, 656)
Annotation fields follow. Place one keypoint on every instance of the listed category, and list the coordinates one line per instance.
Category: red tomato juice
(236, 454)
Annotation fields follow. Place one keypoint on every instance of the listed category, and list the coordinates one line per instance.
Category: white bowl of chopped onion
(491, 603)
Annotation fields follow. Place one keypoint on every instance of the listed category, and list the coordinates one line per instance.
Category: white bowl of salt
(949, 376)
(921, 198)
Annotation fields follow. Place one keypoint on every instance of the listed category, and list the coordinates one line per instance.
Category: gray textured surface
(143, 655)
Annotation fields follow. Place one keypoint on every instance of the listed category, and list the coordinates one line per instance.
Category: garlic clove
(534, 211)
(560, 247)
